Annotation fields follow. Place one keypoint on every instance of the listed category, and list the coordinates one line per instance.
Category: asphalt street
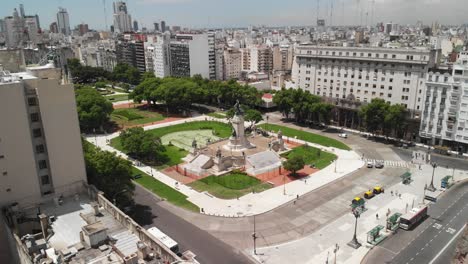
(209, 250)
(434, 240)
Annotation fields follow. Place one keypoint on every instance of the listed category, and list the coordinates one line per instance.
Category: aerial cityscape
(215, 132)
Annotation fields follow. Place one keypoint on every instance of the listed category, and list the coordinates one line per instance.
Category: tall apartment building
(444, 118)
(395, 75)
(261, 59)
(246, 58)
(282, 57)
(131, 52)
(211, 55)
(232, 64)
(122, 20)
(190, 55)
(219, 61)
(41, 155)
(63, 21)
(20, 29)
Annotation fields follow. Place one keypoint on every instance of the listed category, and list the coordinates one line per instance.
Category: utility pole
(431, 186)
(254, 236)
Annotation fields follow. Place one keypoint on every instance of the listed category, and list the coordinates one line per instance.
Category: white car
(370, 164)
(343, 135)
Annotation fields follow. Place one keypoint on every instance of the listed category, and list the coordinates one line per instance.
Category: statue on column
(194, 146)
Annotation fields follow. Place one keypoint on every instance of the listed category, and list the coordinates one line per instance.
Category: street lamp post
(354, 243)
(335, 251)
(431, 186)
(115, 195)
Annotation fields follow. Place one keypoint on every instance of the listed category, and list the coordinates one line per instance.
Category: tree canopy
(126, 73)
(143, 145)
(379, 115)
(294, 164)
(93, 109)
(85, 74)
(180, 93)
(305, 106)
(108, 172)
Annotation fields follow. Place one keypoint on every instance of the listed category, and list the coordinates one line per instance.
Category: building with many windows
(122, 19)
(131, 52)
(63, 21)
(41, 155)
(362, 74)
(444, 118)
(190, 55)
(232, 64)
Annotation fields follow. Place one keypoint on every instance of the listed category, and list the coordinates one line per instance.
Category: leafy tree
(85, 74)
(100, 85)
(108, 173)
(253, 116)
(294, 164)
(396, 119)
(93, 109)
(143, 145)
(283, 99)
(374, 114)
(126, 73)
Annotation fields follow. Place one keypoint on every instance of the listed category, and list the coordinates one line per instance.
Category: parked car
(370, 164)
(379, 165)
(378, 190)
(343, 135)
(136, 176)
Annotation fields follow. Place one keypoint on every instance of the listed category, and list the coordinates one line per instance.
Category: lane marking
(447, 245)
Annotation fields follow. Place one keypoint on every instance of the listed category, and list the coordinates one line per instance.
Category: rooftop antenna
(105, 13)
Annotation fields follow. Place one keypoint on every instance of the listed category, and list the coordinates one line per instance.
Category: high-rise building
(135, 26)
(163, 26)
(232, 64)
(156, 27)
(444, 119)
(211, 55)
(53, 27)
(362, 74)
(40, 149)
(131, 52)
(2, 26)
(261, 59)
(14, 30)
(282, 58)
(189, 55)
(22, 14)
(83, 29)
(157, 55)
(63, 21)
(122, 20)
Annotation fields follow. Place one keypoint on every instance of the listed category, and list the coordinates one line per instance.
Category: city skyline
(216, 14)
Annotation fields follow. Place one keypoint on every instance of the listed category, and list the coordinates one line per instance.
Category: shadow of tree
(142, 214)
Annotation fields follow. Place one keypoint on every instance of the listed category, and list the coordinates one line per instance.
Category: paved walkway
(315, 247)
(250, 204)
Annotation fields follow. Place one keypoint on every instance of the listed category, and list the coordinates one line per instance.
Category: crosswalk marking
(391, 163)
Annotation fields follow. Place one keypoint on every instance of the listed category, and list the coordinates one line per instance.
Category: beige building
(282, 58)
(232, 64)
(41, 156)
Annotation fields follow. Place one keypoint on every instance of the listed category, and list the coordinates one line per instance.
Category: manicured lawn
(134, 116)
(306, 136)
(312, 155)
(221, 130)
(217, 115)
(164, 191)
(117, 97)
(174, 154)
(230, 186)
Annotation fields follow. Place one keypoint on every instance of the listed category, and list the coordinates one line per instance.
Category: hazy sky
(226, 13)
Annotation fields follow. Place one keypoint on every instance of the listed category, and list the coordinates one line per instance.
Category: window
(389, 95)
(45, 179)
(34, 117)
(42, 164)
(32, 101)
(393, 56)
(385, 56)
(37, 132)
(40, 149)
(391, 80)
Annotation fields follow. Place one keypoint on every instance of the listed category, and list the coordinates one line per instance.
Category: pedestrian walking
(391, 192)
(377, 216)
(399, 195)
(297, 197)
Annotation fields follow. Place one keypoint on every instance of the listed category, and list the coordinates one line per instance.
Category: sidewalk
(315, 247)
(253, 203)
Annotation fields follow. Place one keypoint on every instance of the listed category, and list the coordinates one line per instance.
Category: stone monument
(238, 141)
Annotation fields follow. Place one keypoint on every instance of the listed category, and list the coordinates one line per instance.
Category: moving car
(369, 194)
(370, 164)
(379, 165)
(343, 135)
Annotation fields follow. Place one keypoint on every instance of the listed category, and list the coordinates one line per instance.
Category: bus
(165, 239)
(410, 219)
